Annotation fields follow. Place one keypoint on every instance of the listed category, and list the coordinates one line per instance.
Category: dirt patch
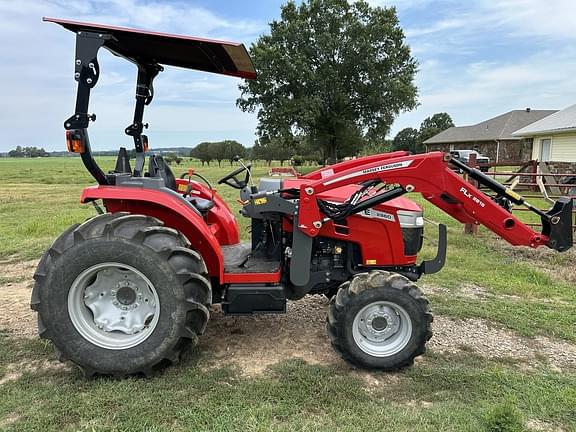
(18, 270)
(255, 342)
(488, 340)
(557, 266)
(473, 291)
(539, 425)
(10, 419)
(15, 313)
(14, 371)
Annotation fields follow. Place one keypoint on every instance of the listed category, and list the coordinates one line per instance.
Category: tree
(232, 149)
(202, 152)
(172, 157)
(218, 152)
(407, 139)
(375, 147)
(433, 125)
(330, 70)
(17, 152)
(272, 149)
(280, 151)
(20, 151)
(307, 151)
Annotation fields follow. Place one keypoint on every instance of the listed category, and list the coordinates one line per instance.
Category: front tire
(121, 295)
(379, 320)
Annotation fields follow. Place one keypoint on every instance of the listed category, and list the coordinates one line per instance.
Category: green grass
(40, 198)
(440, 394)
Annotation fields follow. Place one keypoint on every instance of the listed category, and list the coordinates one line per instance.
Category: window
(545, 150)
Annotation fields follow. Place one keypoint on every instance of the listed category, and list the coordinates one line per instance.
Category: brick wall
(512, 150)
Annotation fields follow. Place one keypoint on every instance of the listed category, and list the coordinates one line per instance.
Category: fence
(534, 180)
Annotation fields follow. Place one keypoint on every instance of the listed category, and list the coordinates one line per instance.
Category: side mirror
(236, 158)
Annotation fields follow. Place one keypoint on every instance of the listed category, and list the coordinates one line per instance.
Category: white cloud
(533, 18)
(485, 89)
(483, 58)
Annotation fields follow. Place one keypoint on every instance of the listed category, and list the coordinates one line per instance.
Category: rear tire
(379, 320)
(121, 295)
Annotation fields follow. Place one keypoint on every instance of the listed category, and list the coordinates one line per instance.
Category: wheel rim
(113, 306)
(382, 329)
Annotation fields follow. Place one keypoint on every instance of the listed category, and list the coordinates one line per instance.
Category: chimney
(528, 109)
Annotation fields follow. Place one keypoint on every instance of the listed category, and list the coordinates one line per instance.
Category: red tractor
(130, 290)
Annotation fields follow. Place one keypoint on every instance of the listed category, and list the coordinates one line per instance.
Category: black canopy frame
(148, 51)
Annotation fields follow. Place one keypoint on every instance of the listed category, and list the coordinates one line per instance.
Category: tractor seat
(202, 205)
(157, 167)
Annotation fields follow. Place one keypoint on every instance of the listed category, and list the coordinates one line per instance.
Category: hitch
(557, 225)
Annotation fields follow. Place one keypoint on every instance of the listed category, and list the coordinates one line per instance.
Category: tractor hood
(139, 46)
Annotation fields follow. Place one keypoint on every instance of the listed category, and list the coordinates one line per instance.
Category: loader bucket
(558, 225)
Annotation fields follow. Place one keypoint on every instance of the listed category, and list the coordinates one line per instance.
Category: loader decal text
(387, 167)
(472, 197)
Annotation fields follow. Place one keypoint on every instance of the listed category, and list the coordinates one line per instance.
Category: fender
(220, 218)
(169, 208)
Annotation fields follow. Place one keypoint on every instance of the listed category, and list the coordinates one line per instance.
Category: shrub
(504, 417)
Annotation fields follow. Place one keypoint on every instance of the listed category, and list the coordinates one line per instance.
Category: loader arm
(430, 175)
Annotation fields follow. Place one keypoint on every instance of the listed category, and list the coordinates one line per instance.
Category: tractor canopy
(140, 46)
(149, 51)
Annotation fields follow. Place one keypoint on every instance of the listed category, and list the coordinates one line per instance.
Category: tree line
(267, 150)
(20, 151)
(413, 139)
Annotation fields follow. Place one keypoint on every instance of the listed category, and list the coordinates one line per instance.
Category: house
(493, 138)
(554, 137)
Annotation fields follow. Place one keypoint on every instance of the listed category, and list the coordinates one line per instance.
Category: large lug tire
(121, 295)
(379, 320)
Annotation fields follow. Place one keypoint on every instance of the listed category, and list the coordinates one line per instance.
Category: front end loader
(130, 290)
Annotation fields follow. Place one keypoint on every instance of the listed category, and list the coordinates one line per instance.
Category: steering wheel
(232, 181)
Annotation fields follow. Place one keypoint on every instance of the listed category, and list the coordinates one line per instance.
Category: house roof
(561, 121)
(497, 128)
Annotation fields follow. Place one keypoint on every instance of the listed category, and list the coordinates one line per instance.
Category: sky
(477, 59)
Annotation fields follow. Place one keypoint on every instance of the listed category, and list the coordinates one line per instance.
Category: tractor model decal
(375, 214)
(472, 197)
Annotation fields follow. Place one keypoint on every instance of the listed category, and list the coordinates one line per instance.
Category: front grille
(413, 238)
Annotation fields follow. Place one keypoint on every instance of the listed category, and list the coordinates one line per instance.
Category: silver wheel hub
(113, 305)
(382, 329)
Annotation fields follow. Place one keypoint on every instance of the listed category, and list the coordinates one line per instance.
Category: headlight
(410, 219)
